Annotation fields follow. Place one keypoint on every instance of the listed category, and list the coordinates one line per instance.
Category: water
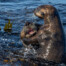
(20, 11)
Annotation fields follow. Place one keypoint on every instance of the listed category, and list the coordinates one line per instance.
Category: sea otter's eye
(42, 14)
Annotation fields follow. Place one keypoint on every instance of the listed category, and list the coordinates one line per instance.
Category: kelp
(8, 27)
(0, 28)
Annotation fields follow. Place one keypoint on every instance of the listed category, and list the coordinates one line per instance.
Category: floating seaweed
(8, 27)
(0, 28)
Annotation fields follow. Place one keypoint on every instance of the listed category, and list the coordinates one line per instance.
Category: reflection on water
(20, 11)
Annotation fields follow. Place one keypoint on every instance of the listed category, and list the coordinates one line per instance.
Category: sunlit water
(20, 11)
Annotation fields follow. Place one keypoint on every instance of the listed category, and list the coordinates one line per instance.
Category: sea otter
(50, 36)
(29, 30)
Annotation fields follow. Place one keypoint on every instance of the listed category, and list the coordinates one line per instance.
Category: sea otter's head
(29, 30)
(45, 10)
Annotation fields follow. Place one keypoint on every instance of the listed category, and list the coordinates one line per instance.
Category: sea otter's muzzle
(39, 13)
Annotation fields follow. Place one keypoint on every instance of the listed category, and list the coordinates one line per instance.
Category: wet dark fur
(26, 41)
(51, 34)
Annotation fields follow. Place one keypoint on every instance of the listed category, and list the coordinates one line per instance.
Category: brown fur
(23, 34)
(51, 34)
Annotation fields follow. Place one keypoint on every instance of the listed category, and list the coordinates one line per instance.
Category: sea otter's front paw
(26, 41)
